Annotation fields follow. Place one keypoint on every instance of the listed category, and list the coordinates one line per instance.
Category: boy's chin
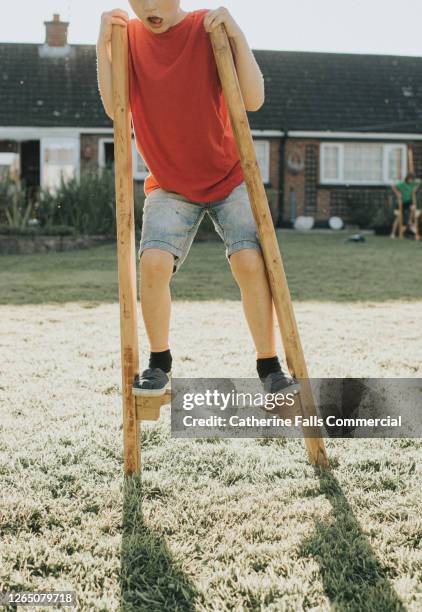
(162, 28)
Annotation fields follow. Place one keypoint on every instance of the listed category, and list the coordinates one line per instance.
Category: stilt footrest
(148, 406)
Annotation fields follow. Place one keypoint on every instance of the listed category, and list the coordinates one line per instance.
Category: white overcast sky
(342, 26)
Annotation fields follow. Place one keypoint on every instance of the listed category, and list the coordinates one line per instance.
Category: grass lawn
(213, 526)
(318, 267)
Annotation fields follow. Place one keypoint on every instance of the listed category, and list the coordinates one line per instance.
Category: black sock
(161, 359)
(267, 365)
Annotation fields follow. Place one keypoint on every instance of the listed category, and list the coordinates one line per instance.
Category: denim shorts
(170, 222)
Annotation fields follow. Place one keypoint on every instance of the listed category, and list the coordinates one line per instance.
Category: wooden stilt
(148, 408)
(125, 245)
(261, 211)
(400, 212)
(415, 213)
(135, 409)
(401, 224)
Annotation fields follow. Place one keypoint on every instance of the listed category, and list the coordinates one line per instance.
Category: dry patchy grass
(228, 525)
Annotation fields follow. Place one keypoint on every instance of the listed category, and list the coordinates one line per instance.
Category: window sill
(352, 186)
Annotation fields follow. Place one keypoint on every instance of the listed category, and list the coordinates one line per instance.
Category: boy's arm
(251, 80)
(104, 76)
(104, 71)
(396, 191)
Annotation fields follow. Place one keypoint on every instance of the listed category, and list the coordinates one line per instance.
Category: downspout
(281, 172)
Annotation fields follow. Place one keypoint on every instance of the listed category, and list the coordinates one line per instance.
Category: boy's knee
(156, 263)
(246, 262)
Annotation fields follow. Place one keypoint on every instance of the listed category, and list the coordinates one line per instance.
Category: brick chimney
(56, 32)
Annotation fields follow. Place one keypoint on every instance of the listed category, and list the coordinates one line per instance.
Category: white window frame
(265, 171)
(138, 176)
(11, 161)
(341, 181)
(58, 141)
(101, 151)
(7, 158)
(387, 149)
(322, 166)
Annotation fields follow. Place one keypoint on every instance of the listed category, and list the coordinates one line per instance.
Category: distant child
(406, 193)
(183, 132)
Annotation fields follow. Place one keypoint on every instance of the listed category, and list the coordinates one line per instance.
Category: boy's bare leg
(248, 269)
(156, 268)
(394, 228)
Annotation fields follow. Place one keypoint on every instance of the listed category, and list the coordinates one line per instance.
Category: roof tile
(304, 90)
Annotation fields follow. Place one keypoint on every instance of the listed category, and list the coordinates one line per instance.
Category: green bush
(53, 230)
(78, 206)
(370, 209)
(383, 217)
(14, 208)
(86, 204)
(81, 206)
(374, 209)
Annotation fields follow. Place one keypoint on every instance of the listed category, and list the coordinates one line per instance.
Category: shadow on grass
(150, 579)
(352, 576)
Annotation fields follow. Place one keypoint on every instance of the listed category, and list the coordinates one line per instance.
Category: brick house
(333, 126)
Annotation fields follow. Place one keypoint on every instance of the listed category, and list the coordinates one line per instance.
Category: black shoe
(280, 381)
(152, 381)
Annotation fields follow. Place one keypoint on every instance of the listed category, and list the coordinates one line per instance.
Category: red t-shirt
(179, 114)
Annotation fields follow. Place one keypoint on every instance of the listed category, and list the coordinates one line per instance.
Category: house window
(109, 155)
(396, 163)
(105, 154)
(330, 157)
(362, 163)
(262, 150)
(9, 165)
(106, 158)
(59, 159)
(140, 170)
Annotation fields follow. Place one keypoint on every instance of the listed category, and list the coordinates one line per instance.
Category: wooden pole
(400, 201)
(410, 162)
(401, 224)
(414, 219)
(125, 244)
(261, 211)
